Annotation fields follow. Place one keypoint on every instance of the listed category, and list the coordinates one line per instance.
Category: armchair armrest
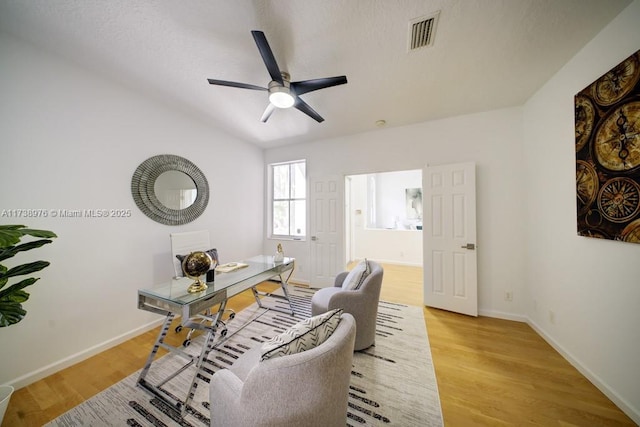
(340, 279)
(354, 300)
(225, 390)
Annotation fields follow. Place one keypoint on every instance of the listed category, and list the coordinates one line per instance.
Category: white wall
(492, 139)
(403, 247)
(71, 140)
(592, 286)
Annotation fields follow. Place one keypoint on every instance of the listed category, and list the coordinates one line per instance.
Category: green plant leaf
(11, 234)
(11, 298)
(18, 296)
(11, 313)
(6, 294)
(9, 237)
(39, 233)
(23, 269)
(11, 251)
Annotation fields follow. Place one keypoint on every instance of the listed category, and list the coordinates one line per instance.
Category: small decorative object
(279, 256)
(211, 274)
(195, 265)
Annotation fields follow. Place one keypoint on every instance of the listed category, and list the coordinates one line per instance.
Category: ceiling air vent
(422, 31)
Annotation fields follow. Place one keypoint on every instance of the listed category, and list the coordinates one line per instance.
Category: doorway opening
(383, 217)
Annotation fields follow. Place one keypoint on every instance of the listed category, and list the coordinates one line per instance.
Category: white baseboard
(45, 371)
(626, 407)
(503, 315)
(389, 261)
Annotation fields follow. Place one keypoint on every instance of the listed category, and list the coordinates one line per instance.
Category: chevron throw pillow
(302, 336)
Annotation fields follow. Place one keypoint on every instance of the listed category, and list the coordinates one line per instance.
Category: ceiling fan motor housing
(280, 94)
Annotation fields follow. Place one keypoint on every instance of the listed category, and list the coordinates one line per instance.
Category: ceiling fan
(283, 93)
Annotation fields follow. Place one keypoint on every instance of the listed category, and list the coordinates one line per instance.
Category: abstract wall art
(414, 203)
(607, 126)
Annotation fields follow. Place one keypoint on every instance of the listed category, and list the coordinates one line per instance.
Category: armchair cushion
(355, 278)
(302, 336)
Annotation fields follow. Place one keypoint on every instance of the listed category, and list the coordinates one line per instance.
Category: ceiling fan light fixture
(282, 92)
(281, 97)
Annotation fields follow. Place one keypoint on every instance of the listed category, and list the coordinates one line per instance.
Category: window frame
(290, 199)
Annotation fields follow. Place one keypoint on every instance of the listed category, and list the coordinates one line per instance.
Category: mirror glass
(175, 190)
(170, 189)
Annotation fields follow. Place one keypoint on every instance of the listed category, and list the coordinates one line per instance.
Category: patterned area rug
(392, 383)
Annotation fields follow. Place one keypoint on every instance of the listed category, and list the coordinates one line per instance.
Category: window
(289, 199)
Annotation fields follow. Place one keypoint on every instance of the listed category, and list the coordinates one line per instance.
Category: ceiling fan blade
(305, 108)
(235, 84)
(267, 113)
(267, 56)
(315, 84)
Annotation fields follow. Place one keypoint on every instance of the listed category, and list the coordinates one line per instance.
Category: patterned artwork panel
(607, 126)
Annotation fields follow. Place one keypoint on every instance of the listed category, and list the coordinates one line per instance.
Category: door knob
(314, 238)
(469, 246)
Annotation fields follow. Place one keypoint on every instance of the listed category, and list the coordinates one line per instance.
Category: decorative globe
(195, 265)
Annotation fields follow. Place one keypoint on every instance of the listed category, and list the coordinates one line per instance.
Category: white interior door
(348, 222)
(449, 233)
(326, 225)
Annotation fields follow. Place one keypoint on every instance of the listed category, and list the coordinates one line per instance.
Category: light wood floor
(490, 372)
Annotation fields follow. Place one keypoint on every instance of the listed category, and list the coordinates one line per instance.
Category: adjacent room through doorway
(383, 217)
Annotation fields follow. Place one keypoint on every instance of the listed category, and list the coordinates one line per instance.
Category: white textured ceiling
(487, 54)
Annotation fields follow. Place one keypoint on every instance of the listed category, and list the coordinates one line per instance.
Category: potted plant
(12, 297)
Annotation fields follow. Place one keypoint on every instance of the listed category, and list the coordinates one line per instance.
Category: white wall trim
(620, 402)
(387, 261)
(396, 262)
(502, 315)
(71, 360)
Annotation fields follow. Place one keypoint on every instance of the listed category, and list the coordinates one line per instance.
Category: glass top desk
(172, 299)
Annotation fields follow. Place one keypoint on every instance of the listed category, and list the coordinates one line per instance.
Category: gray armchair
(362, 303)
(303, 389)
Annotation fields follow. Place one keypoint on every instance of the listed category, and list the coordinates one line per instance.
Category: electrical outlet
(508, 295)
(552, 317)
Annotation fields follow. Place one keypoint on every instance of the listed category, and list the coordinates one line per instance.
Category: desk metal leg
(207, 346)
(155, 389)
(285, 289)
(156, 346)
